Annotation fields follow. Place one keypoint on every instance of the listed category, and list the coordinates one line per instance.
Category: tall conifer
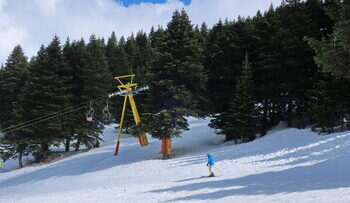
(176, 77)
(14, 144)
(46, 92)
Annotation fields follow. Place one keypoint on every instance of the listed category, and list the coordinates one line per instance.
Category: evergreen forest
(289, 64)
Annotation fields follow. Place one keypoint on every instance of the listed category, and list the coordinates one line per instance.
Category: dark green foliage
(156, 36)
(176, 77)
(118, 62)
(191, 71)
(282, 62)
(143, 57)
(137, 130)
(75, 55)
(166, 123)
(333, 52)
(12, 81)
(97, 77)
(97, 83)
(119, 65)
(12, 78)
(324, 107)
(240, 120)
(243, 111)
(222, 64)
(46, 92)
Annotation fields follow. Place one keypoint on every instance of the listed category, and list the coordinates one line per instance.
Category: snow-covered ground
(12, 164)
(289, 165)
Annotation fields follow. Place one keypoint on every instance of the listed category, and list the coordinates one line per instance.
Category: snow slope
(290, 165)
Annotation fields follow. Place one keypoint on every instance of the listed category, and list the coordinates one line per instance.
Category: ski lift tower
(127, 89)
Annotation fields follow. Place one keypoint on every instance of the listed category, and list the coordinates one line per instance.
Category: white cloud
(31, 23)
(47, 7)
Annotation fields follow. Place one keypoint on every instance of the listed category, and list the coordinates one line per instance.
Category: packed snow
(288, 165)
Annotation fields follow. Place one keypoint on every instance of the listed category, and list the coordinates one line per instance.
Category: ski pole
(219, 170)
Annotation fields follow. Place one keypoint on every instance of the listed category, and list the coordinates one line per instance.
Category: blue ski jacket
(211, 160)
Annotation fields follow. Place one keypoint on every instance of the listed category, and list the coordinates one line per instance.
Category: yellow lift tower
(128, 89)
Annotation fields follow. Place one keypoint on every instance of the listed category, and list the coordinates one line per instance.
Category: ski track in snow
(287, 165)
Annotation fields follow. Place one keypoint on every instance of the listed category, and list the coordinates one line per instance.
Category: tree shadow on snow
(83, 164)
(312, 151)
(329, 174)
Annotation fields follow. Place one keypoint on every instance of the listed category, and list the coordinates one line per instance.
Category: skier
(210, 164)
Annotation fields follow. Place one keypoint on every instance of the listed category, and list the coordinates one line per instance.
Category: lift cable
(55, 115)
(46, 116)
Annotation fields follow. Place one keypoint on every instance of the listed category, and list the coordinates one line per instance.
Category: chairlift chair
(90, 113)
(106, 114)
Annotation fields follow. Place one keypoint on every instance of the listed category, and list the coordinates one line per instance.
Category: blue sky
(130, 2)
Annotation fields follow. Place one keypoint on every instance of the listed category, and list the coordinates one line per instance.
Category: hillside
(289, 165)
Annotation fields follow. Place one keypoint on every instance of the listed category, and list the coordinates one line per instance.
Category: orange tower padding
(143, 140)
(166, 146)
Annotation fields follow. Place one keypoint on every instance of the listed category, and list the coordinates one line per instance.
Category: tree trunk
(264, 118)
(44, 147)
(166, 148)
(20, 156)
(228, 137)
(273, 115)
(39, 156)
(289, 114)
(67, 145)
(97, 144)
(77, 145)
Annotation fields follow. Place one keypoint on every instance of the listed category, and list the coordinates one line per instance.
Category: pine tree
(130, 49)
(204, 31)
(342, 96)
(297, 66)
(143, 56)
(333, 53)
(202, 34)
(2, 92)
(97, 76)
(176, 77)
(245, 113)
(11, 85)
(261, 65)
(48, 76)
(75, 56)
(222, 63)
(111, 50)
(119, 65)
(116, 57)
(241, 118)
(156, 36)
(131, 53)
(13, 145)
(97, 84)
(282, 62)
(324, 106)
